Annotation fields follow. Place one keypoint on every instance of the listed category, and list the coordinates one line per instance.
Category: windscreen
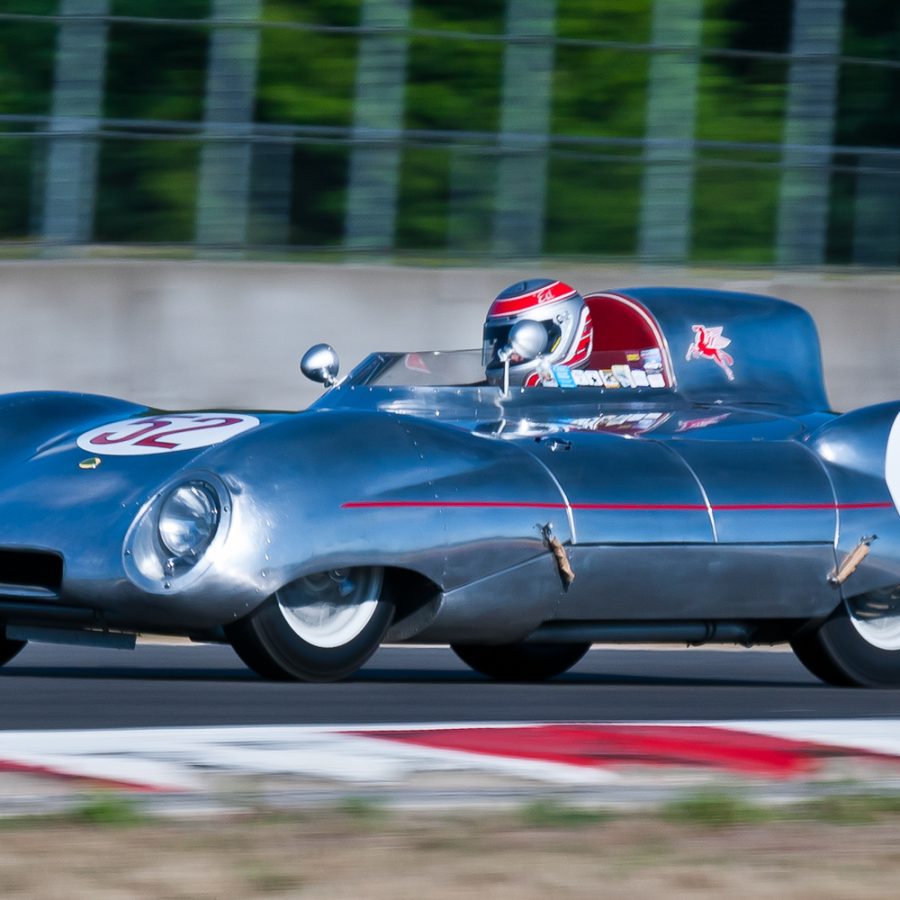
(432, 368)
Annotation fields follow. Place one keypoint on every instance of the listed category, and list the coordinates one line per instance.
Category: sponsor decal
(563, 377)
(164, 433)
(587, 378)
(609, 380)
(652, 358)
(623, 375)
(619, 376)
(710, 343)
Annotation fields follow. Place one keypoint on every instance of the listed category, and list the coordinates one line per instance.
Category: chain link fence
(658, 130)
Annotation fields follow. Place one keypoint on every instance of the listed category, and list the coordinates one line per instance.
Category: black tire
(520, 662)
(839, 654)
(282, 639)
(9, 649)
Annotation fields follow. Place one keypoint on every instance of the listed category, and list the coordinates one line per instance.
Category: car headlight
(178, 533)
(188, 519)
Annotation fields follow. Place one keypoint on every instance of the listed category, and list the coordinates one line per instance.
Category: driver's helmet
(555, 305)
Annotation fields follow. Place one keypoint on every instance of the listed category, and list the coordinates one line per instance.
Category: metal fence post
(524, 127)
(71, 172)
(373, 183)
(668, 182)
(808, 132)
(224, 185)
(876, 220)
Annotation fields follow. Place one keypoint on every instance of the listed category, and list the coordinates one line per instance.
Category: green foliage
(155, 72)
(18, 157)
(364, 812)
(147, 191)
(735, 210)
(592, 206)
(710, 809)
(850, 809)
(628, 21)
(162, 9)
(306, 77)
(868, 97)
(108, 809)
(26, 67)
(553, 814)
(423, 204)
(319, 182)
(601, 92)
(454, 85)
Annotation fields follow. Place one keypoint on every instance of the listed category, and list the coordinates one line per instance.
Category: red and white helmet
(555, 305)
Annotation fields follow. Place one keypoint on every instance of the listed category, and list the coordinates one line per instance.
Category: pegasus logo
(710, 343)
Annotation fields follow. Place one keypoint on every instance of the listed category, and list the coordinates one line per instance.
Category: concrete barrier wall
(205, 334)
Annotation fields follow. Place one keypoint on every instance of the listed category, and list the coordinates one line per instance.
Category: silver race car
(688, 484)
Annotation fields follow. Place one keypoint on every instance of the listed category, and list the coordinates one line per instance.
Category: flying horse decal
(710, 343)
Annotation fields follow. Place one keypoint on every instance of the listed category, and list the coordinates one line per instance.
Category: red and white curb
(573, 754)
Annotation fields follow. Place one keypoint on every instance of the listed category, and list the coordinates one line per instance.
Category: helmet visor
(496, 337)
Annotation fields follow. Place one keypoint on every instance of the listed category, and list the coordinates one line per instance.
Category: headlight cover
(175, 536)
(188, 519)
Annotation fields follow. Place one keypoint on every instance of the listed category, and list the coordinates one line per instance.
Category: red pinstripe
(610, 507)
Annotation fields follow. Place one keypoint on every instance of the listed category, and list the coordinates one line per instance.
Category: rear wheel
(521, 662)
(858, 645)
(321, 627)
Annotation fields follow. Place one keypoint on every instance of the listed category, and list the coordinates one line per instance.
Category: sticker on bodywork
(710, 343)
(165, 433)
(618, 376)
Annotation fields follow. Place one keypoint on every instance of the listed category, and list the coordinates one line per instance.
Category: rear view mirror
(320, 363)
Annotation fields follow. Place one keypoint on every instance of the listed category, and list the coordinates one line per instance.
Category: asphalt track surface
(49, 686)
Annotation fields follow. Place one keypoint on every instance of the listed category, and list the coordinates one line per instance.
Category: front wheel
(520, 662)
(321, 627)
(858, 645)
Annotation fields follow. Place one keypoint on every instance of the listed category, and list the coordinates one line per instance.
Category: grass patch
(850, 809)
(553, 814)
(107, 809)
(363, 810)
(711, 808)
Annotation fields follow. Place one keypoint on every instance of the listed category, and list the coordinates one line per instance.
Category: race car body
(689, 485)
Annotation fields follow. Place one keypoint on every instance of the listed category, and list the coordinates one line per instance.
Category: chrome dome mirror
(527, 340)
(320, 363)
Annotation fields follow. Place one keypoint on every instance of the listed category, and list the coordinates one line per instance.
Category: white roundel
(892, 463)
(164, 433)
